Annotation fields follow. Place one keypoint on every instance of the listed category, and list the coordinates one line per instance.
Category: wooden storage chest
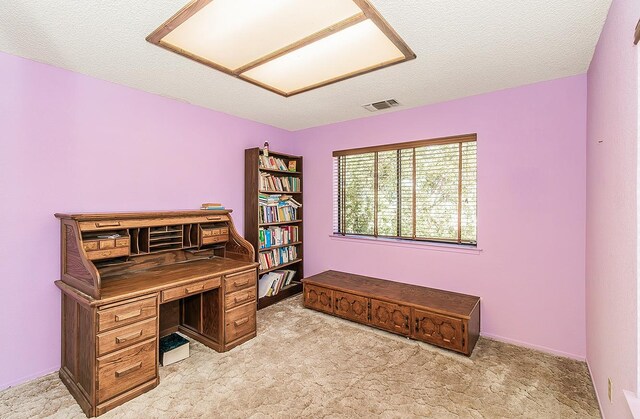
(442, 318)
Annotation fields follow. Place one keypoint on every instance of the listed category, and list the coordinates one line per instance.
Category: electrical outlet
(610, 390)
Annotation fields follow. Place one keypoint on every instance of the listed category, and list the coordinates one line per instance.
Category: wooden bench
(443, 318)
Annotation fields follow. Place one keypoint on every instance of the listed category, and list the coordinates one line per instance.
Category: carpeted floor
(307, 364)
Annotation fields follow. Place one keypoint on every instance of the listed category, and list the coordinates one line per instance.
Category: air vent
(378, 106)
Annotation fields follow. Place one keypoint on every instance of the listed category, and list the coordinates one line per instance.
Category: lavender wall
(611, 261)
(531, 209)
(73, 143)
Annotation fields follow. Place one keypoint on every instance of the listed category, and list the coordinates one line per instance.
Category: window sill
(438, 247)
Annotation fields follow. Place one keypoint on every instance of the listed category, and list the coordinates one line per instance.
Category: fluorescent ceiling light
(286, 46)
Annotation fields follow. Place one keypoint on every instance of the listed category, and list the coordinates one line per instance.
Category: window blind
(422, 190)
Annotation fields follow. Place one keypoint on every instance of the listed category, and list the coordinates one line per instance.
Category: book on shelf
(277, 214)
(290, 201)
(292, 165)
(273, 209)
(277, 257)
(273, 163)
(277, 236)
(269, 182)
(271, 283)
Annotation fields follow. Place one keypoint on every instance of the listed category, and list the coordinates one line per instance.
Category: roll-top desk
(128, 279)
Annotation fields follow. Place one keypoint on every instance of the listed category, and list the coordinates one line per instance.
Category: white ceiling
(464, 47)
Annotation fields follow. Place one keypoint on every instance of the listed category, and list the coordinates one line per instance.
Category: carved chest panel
(351, 306)
(318, 298)
(389, 316)
(438, 329)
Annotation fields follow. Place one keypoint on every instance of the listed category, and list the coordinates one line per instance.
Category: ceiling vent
(384, 104)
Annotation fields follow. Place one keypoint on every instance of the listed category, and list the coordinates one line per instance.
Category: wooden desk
(186, 271)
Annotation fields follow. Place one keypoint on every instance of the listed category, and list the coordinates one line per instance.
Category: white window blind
(422, 190)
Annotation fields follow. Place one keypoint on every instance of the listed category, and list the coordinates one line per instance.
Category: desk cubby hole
(200, 313)
(139, 240)
(190, 236)
(165, 238)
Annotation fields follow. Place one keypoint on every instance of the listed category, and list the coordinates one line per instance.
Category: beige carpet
(307, 364)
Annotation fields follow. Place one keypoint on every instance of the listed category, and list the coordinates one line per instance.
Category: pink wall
(531, 206)
(611, 262)
(72, 143)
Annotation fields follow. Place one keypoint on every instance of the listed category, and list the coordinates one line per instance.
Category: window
(420, 190)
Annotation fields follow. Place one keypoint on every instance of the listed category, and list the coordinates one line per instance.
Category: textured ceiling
(464, 47)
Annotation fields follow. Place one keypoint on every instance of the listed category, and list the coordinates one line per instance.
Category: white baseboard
(535, 347)
(595, 390)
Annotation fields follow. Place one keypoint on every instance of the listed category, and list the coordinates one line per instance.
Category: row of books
(278, 200)
(275, 163)
(277, 257)
(276, 236)
(279, 183)
(272, 282)
(277, 214)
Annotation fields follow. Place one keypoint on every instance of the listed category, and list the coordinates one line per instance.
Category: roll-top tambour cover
(98, 247)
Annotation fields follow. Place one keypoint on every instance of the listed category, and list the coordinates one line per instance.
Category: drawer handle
(108, 224)
(122, 339)
(126, 316)
(241, 299)
(240, 284)
(214, 218)
(241, 321)
(194, 289)
(128, 370)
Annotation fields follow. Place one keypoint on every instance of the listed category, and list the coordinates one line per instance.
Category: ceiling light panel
(233, 33)
(286, 46)
(358, 47)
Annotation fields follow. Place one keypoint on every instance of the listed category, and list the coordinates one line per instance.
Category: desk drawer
(123, 337)
(209, 232)
(239, 297)
(215, 239)
(126, 369)
(192, 288)
(240, 322)
(239, 281)
(125, 314)
(90, 245)
(108, 253)
(104, 244)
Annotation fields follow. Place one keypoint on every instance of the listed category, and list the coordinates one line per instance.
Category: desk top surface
(137, 215)
(132, 284)
(445, 302)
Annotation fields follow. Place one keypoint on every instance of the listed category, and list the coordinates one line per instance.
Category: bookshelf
(262, 184)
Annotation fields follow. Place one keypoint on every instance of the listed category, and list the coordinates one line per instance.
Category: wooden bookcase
(252, 224)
